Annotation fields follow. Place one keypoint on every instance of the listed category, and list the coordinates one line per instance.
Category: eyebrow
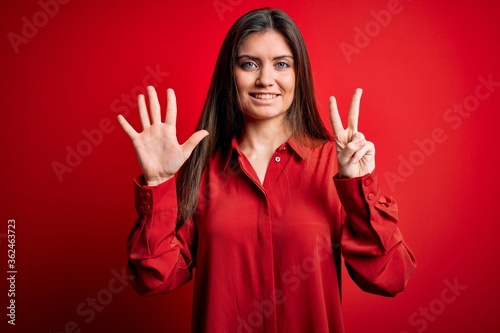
(256, 58)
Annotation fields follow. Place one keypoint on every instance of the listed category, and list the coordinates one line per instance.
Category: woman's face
(265, 76)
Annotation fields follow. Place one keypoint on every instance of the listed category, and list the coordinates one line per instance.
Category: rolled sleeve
(375, 254)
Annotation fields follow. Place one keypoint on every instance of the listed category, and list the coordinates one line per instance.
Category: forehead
(270, 43)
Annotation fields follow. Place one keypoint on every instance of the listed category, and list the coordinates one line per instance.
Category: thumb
(191, 143)
(350, 149)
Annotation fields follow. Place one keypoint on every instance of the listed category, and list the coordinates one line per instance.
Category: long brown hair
(221, 115)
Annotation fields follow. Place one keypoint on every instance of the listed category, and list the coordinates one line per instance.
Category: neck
(263, 137)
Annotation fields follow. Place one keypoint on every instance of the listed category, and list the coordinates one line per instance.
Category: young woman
(260, 200)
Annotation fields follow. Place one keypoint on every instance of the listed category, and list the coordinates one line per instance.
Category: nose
(266, 76)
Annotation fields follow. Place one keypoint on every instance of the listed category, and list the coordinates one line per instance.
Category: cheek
(291, 87)
(242, 84)
(289, 83)
(241, 94)
(242, 77)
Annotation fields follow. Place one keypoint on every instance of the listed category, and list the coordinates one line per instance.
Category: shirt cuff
(357, 192)
(149, 199)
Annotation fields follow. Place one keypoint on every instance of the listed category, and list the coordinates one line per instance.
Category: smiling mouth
(264, 96)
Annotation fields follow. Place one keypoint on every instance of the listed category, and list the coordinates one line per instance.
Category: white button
(277, 159)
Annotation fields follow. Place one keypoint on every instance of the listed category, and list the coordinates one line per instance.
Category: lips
(264, 96)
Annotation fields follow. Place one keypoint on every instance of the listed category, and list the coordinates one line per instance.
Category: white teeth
(264, 96)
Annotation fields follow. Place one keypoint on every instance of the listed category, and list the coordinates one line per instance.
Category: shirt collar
(300, 150)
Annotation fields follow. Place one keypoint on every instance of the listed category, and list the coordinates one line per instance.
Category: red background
(69, 77)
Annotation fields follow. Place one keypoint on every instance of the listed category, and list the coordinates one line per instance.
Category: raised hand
(159, 153)
(355, 155)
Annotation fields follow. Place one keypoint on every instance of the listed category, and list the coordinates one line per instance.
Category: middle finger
(154, 105)
(354, 111)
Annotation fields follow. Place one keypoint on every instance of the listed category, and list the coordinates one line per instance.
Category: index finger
(335, 117)
(353, 116)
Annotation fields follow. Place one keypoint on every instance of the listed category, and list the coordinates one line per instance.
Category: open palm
(159, 153)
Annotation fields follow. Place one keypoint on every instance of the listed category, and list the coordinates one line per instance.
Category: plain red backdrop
(65, 81)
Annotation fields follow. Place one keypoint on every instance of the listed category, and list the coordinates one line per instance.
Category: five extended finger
(335, 117)
(171, 116)
(192, 142)
(143, 112)
(154, 105)
(127, 127)
(353, 115)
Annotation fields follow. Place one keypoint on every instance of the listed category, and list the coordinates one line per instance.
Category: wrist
(155, 181)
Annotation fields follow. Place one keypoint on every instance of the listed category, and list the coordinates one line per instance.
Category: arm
(159, 256)
(376, 256)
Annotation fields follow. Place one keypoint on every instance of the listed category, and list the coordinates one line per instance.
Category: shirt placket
(275, 167)
(265, 234)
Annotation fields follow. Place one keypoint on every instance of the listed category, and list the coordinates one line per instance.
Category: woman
(260, 200)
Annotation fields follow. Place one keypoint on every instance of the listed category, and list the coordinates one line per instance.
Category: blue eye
(282, 64)
(248, 65)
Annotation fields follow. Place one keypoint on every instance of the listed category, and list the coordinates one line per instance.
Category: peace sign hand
(159, 153)
(355, 155)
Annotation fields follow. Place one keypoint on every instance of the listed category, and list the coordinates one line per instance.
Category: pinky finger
(129, 130)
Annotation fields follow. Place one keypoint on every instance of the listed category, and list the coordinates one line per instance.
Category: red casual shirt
(267, 256)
